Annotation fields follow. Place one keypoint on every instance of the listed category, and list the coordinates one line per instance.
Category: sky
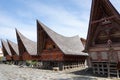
(66, 17)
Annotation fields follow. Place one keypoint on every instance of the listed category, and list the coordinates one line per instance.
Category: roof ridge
(45, 27)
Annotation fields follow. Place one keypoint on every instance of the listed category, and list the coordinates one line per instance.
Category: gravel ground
(12, 72)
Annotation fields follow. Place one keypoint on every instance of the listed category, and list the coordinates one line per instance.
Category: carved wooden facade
(27, 48)
(51, 48)
(103, 39)
(58, 50)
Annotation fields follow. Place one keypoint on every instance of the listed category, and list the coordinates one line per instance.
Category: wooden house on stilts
(57, 50)
(52, 49)
(27, 48)
(6, 51)
(14, 51)
(103, 39)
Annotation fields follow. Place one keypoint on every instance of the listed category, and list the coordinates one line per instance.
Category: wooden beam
(100, 20)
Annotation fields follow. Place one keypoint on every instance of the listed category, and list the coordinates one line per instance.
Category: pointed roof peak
(101, 9)
(5, 44)
(7, 40)
(48, 30)
(16, 30)
(65, 44)
(30, 45)
(14, 46)
(2, 40)
(37, 20)
(102, 12)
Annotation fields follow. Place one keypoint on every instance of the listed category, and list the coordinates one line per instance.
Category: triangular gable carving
(13, 47)
(103, 19)
(40, 38)
(43, 39)
(102, 9)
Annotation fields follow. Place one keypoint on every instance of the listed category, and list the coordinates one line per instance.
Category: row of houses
(55, 50)
(51, 48)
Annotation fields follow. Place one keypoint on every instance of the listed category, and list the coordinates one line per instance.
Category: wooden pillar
(78, 63)
(20, 63)
(98, 69)
(61, 66)
(117, 73)
(108, 67)
(93, 67)
(103, 69)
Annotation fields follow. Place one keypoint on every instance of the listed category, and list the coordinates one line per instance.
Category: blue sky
(66, 17)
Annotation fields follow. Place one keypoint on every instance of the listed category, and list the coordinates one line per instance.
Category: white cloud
(83, 4)
(8, 25)
(60, 16)
(7, 33)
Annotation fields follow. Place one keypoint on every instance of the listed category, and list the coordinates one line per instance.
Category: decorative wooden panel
(113, 56)
(8, 57)
(53, 55)
(74, 58)
(26, 56)
(16, 57)
(104, 55)
(119, 56)
(93, 55)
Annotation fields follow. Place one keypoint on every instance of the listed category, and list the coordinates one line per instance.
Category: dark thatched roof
(68, 45)
(30, 46)
(7, 49)
(14, 46)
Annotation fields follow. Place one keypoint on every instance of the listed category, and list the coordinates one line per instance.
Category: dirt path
(12, 72)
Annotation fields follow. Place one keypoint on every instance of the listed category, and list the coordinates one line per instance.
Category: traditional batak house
(57, 51)
(103, 39)
(6, 51)
(27, 48)
(14, 51)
